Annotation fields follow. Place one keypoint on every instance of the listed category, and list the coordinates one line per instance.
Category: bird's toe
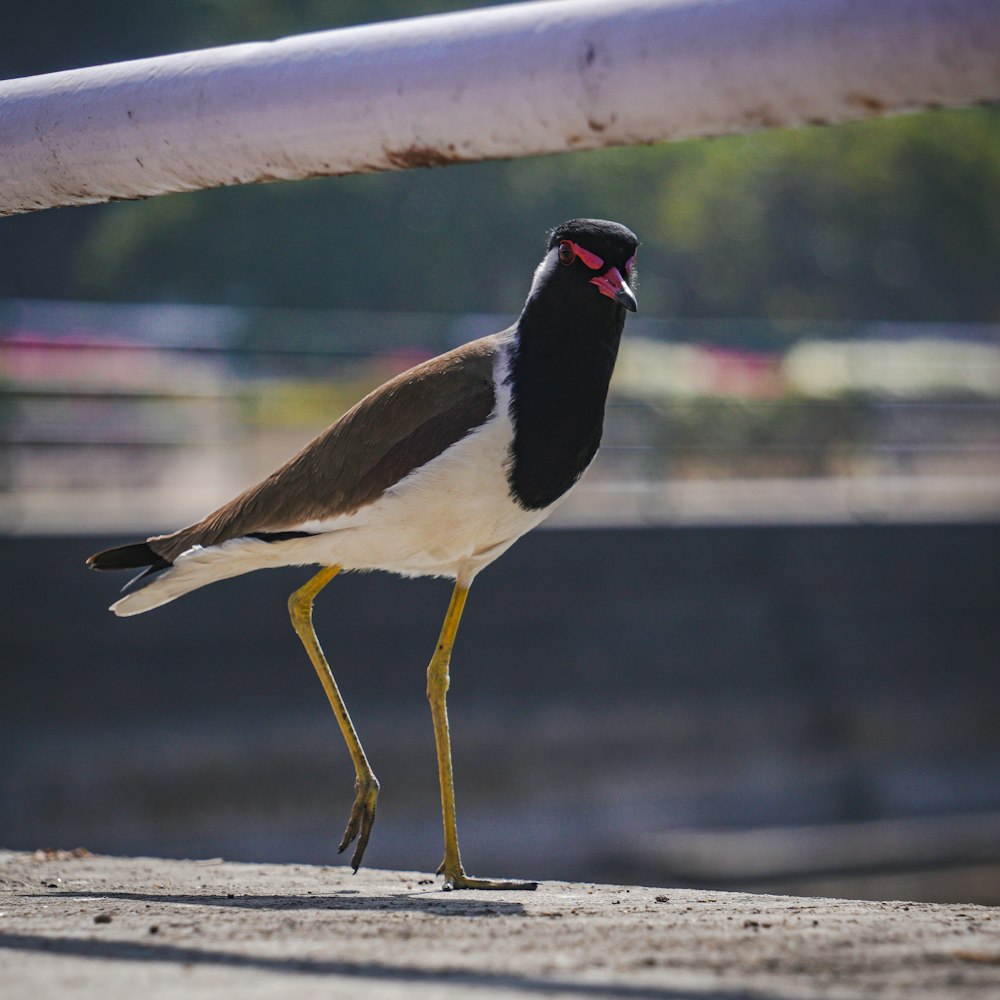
(457, 879)
(362, 819)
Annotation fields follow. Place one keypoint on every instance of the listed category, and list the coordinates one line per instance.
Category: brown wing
(401, 425)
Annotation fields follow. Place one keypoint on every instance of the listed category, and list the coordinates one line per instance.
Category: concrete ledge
(78, 925)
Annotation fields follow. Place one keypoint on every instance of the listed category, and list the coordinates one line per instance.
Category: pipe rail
(496, 83)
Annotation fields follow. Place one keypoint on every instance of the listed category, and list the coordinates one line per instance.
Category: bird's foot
(466, 882)
(362, 818)
(455, 878)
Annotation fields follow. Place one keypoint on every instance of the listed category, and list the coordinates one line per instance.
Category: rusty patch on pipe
(422, 156)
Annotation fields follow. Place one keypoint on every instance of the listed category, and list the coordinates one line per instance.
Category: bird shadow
(439, 903)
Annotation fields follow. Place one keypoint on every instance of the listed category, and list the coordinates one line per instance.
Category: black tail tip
(135, 556)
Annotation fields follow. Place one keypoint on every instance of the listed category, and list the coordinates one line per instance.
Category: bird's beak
(614, 286)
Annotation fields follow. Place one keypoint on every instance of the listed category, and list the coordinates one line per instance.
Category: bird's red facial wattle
(611, 283)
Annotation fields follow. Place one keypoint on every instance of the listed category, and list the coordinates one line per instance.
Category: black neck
(559, 377)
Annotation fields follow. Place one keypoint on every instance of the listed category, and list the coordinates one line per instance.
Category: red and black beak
(614, 286)
(610, 283)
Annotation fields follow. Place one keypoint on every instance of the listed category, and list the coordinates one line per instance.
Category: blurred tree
(44, 36)
(894, 218)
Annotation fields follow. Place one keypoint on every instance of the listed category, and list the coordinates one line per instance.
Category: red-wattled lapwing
(435, 473)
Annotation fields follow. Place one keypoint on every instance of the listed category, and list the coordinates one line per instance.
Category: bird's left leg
(366, 786)
(437, 688)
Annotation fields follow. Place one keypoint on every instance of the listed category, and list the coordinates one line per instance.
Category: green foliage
(44, 36)
(896, 218)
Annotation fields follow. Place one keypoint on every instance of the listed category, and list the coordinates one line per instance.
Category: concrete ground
(74, 925)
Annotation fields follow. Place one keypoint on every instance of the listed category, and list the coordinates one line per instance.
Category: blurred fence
(120, 416)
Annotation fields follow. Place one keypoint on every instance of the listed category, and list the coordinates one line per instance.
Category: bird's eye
(566, 253)
(629, 264)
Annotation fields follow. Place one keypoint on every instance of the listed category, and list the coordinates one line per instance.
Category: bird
(435, 473)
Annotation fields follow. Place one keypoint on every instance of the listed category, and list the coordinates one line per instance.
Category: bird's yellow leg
(366, 786)
(437, 689)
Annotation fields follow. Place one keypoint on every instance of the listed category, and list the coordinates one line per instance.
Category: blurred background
(757, 648)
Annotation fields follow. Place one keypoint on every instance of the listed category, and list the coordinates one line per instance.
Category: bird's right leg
(438, 681)
(366, 786)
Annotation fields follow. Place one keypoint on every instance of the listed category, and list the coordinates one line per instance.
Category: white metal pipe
(502, 82)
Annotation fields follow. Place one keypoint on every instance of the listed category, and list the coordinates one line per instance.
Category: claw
(362, 819)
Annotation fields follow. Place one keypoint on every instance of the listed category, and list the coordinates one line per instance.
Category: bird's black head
(564, 354)
(589, 257)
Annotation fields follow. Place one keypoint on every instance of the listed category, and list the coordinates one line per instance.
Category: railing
(503, 82)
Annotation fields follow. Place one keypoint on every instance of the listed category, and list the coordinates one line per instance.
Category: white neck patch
(548, 264)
